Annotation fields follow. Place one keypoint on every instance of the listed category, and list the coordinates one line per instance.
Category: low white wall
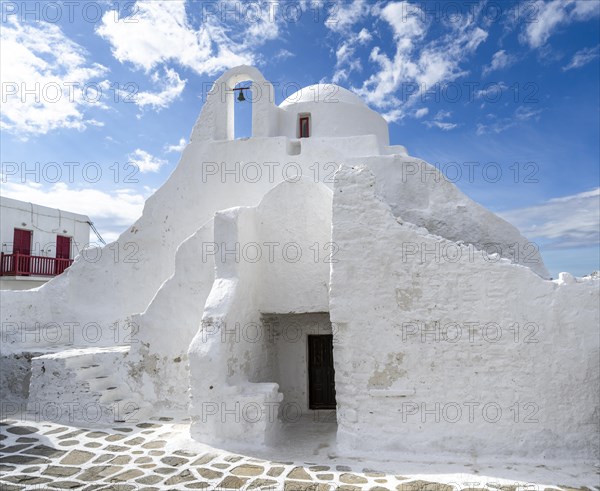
(443, 356)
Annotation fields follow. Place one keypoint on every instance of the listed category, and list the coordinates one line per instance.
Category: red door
(63, 251)
(21, 245)
(22, 241)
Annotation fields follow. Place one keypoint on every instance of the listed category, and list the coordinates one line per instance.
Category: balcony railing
(25, 265)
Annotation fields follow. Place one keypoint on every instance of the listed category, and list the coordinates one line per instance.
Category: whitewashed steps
(82, 386)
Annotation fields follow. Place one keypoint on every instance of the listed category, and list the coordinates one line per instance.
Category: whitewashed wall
(523, 381)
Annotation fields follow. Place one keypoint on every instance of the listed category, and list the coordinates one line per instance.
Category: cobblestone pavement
(151, 456)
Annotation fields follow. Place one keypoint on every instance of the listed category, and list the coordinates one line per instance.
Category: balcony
(26, 265)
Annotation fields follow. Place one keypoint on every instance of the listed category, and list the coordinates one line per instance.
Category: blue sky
(507, 89)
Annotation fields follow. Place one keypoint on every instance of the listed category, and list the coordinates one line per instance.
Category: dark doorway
(321, 374)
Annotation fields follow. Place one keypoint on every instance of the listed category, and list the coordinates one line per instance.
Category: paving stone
(221, 466)
(7, 468)
(233, 458)
(22, 430)
(115, 438)
(205, 459)
(319, 468)
(381, 481)
(182, 477)
(68, 443)
(71, 434)
(299, 473)
(152, 479)
(232, 482)
(135, 441)
(147, 466)
(378, 488)
(25, 439)
(11, 487)
(325, 477)
(15, 448)
(164, 470)
(98, 472)
(126, 476)
(184, 453)
(347, 487)
(342, 468)
(423, 486)
(154, 444)
(26, 479)
(77, 457)
(60, 471)
(248, 470)
(143, 460)
(30, 470)
(197, 485)
(120, 460)
(104, 458)
(262, 483)
(56, 430)
(304, 486)
(23, 460)
(370, 473)
(174, 461)
(353, 479)
(275, 471)
(93, 444)
(148, 425)
(116, 448)
(97, 434)
(208, 473)
(124, 429)
(46, 451)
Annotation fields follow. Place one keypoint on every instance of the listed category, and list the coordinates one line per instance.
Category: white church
(314, 268)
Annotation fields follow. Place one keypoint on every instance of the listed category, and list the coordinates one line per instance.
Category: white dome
(327, 93)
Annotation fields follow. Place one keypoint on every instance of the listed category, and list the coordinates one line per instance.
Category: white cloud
(419, 113)
(145, 161)
(161, 33)
(177, 148)
(568, 221)
(343, 14)
(42, 58)
(283, 54)
(364, 36)
(499, 61)
(417, 60)
(549, 16)
(111, 212)
(441, 125)
(172, 88)
(521, 114)
(583, 57)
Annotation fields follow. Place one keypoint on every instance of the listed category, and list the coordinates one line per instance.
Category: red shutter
(63, 247)
(22, 241)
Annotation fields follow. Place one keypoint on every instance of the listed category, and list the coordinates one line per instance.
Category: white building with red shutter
(37, 242)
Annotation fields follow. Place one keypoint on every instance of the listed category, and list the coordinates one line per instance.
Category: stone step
(84, 386)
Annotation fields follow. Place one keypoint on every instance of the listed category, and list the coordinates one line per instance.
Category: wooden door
(63, 251)
(22, 241)
(321, 374)
(63, 247)
(22, 245)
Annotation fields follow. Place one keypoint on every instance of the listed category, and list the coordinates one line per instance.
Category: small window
(304, 126)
